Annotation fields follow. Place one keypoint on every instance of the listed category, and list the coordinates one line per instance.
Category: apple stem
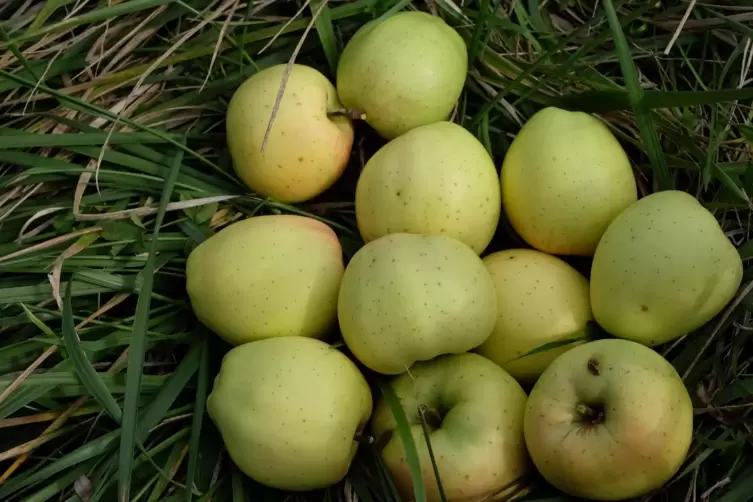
(348, 112)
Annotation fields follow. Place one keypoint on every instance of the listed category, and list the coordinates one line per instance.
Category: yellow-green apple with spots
(564, 178)
(473, 410)
(411, 297)
(609, 420)
(288, 410)
(436, 179)
(664, 268)
(309, 143)
(267, 276)
(402, 72)
(542, 303)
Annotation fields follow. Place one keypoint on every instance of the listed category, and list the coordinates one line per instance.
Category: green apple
(540, 300)
(434, 179)
(267, 276)
(288, 410)
(663, 269)
(473, 410)
(409, 297)
(308, 146)
(609, 420)
(402, 72)
(564, 178)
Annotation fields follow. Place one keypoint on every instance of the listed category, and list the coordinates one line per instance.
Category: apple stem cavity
(590, 415)
(348, 112)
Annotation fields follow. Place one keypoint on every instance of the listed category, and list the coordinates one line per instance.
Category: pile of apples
(491, 352)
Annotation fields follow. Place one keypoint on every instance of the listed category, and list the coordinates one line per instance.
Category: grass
(113, 166)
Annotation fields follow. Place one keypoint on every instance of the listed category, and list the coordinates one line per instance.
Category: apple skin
(564, 178)
(409, 297)
(434, 179)
(288, 410)
(540, 299)
(642, 439)
(307, 150)
(479, 447)
(267, 276)
(403, 72)
(664, 268)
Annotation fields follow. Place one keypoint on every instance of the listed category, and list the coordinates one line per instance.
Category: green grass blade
(662, 179)
(86, 372)
(403, 429)
(198, 418)
(136, 350)
(326, 33)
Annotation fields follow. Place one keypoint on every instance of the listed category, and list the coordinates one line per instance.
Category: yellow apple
(409, 297)
(663, 268)
(307, 149)
(474, 413)
(288, 410)
(564, 178)
(403, 72)
(609, 420)
(435, 179)
(540, 300)
(267, 276)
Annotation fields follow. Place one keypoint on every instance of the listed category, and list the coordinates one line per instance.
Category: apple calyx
(432, 417)
(590, 415)
(594, 367)
(348, 112)
(364, 438)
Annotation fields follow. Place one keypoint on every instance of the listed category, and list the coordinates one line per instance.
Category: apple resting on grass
(308, 146)
(266, 276)
(435, 179)
(663, 269)
(402, 72)
(409, 297)
(609, 420)
(288, 410)
(474, 413)
(540, 300)
(564, 178)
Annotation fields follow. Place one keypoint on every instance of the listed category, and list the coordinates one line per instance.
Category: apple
(267, 276)
(540, 300)
(663, 269)
(434, 179)
(564, 178)
(309, 144)
(403, 71)
(609, 420)
(288, 410)
(473, 410)
(410, 297)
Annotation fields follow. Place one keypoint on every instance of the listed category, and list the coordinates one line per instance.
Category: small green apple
(564, 178)
(266, 276)
(540, 300)
(409, 297)
(402, 72)
(434, 179)
(474, 413)
(663, 269)
(307, 149)
(609, 420)
(288, 410)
